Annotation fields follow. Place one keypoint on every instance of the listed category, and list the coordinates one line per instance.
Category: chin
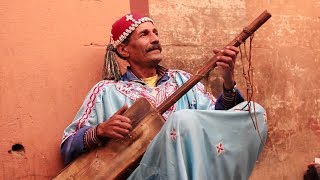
(154, 62)
(156, 57)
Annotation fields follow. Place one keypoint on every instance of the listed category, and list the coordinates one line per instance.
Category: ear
(123, 50)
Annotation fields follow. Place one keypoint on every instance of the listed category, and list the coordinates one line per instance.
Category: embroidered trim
(90, 104)
(156, 95)
(228, 99)
(90, 139)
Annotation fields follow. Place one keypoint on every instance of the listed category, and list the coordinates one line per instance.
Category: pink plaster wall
(51, 55)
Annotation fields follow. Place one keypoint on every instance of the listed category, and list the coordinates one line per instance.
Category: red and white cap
(123, 27)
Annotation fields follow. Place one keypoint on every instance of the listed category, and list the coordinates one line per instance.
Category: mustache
(154, 47)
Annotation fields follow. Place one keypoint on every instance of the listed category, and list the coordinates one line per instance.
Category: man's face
(144, 47)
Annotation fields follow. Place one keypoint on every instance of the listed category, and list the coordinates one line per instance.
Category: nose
(154, 38)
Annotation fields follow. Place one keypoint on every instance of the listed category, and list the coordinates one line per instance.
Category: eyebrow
(147, 30)
(144, 31)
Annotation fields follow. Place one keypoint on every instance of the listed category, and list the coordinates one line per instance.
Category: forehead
(145, 26)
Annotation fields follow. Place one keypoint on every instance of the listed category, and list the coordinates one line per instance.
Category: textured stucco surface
(285, 59)
(51, 55)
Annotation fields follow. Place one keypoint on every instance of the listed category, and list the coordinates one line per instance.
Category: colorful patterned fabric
(98, 106)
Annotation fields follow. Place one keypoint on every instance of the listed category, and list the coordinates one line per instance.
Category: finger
(216, 50)
(121, 131)
(233, 48)
(225, 62)
(123, 125)
(122, 118)
(225, 59)
(122, 109)
(223, 65)
(116, 135)
(230, 53)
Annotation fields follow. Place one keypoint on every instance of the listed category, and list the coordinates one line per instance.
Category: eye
(143, 33)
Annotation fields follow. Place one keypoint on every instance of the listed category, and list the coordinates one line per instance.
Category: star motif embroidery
(173, 134)
(219, 148)
(129, 17)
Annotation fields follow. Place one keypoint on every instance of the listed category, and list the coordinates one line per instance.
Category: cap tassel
(111, 69)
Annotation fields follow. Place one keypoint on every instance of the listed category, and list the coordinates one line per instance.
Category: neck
(143, 72)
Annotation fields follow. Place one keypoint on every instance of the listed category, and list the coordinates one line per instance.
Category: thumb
(216, 51)
(122, 109)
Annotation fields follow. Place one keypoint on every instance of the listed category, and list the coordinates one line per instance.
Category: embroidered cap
(123, 27)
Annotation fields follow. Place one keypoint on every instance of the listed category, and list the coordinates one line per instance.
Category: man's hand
(226, 61)
(117, 127)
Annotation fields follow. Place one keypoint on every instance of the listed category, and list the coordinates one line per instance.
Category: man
(135, 39)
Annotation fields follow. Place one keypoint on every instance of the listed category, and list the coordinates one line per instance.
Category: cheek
(138, 50)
